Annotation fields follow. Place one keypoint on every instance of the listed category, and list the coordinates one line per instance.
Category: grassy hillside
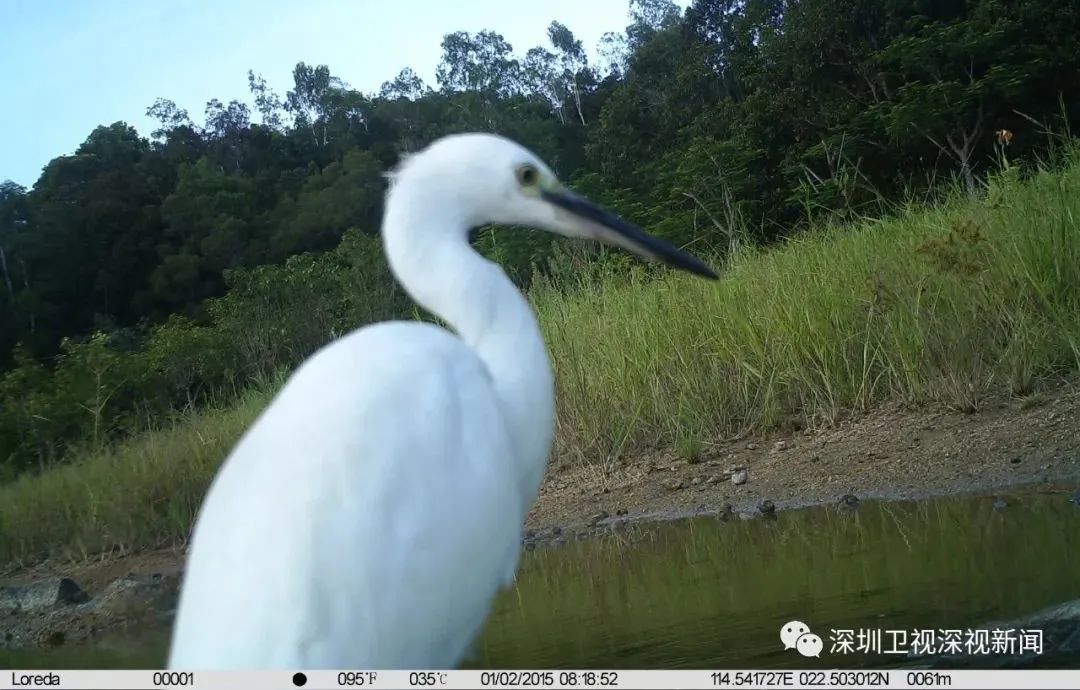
(942, 303)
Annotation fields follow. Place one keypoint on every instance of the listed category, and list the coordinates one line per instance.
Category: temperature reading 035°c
(426, 679)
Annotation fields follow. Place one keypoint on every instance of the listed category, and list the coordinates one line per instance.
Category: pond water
(701, 593)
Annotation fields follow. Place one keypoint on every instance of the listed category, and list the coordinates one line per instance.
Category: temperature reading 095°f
(357, 678)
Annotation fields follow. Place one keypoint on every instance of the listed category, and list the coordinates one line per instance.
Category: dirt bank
(891, 453)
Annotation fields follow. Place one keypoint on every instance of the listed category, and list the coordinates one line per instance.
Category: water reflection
(708, 594)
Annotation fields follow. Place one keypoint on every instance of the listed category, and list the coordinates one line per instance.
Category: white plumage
(373, 511)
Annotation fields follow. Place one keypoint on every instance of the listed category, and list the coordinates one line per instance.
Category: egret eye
(527, 175)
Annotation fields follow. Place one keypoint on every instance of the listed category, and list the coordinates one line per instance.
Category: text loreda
(34, 680)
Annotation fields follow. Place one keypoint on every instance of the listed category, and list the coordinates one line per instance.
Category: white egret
(370, 515)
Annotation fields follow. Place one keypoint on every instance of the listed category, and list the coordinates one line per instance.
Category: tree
(483, 63)
(540, 78)
(267, 102)
(405, 85)
(647, 17)
(613, 50)
(572, 62)
(314, 97)
(169, 115)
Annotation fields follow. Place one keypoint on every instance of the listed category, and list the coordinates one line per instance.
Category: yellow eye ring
(527, 175)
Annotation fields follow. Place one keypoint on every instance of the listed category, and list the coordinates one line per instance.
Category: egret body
(370, 515)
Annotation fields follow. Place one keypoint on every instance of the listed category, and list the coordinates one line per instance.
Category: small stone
(712, 479)
(780, 446)
(739, 477)
(674, 484)
(42, 595)
(695, 481)
(726, 513)
(767, 507)
(556, 530)
(849, 501)
(1000, 504)
(602, 515)
(751, 446)
(621, 511)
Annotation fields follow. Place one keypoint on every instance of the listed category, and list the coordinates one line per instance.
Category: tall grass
(936, 304)
(943, 304)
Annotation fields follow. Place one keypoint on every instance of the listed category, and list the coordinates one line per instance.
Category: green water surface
(701, 593)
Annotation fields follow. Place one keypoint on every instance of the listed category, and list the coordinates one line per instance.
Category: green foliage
(947, 303)
(141, 277)
(271, 318)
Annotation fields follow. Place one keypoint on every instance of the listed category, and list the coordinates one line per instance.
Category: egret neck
(429, 254)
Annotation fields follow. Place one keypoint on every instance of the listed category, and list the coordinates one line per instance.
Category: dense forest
(142, 275)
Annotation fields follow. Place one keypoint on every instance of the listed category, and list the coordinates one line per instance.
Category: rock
(780, 446)
(602, 515)
(139, 593)
(712, 479)
(767, 508)
(556, 530)
(849, 501)
(695, 481)
(621, 511)
(1000, 503)
(674, 484)
(751, 446)
(726, 513)
(739, 477)
(60, 591)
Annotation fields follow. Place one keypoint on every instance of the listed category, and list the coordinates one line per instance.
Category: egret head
(491, 179)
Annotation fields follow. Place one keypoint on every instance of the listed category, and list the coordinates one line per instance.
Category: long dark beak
(603, 225)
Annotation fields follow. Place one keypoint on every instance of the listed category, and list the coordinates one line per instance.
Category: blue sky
(70, 65)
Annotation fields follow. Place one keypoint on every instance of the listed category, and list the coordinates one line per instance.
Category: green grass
(141, 493)
(944, 304)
